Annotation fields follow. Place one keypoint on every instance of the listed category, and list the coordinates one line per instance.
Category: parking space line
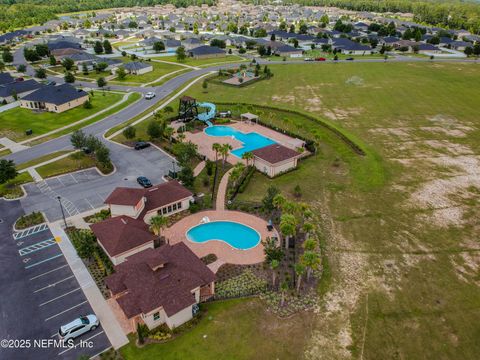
(73, 177)
(43, 261)
(36, 247)
(89, 203)
(64, 311)
(48, 272)
(59, 297)
(101, 352)
(74, 347)
(60, 181)
(53, 284)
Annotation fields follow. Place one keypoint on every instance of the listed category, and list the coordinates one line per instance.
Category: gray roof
(18, 87)
(206, 50)
(136, 65)
(57, 95)
(6, 78)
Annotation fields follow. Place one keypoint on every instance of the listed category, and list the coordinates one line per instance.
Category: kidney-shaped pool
(237, 235)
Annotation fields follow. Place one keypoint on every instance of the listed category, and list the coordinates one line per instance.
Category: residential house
(6, 78)
(137, 68)
(54, 98)
(161, 286)
(205, 51)
(17, 89)
(191, 43)
(275, 159)
(348, 46)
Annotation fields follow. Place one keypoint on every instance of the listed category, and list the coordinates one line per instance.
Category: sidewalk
(108, 320)
(222, 190)
(198, 169)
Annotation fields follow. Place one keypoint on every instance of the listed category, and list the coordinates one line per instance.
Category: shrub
(29, 220)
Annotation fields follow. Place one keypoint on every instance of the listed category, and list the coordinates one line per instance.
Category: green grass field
(159, 69)
(76, 161)
(401, 223)
(16, 121)
(235, 329)
(202, 62)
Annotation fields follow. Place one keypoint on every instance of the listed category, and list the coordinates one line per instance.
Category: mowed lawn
(401, 223)
(202, 62)
(234, 329)
(159, 69)
(16, 121)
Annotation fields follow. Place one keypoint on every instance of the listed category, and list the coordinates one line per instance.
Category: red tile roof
(156, 196)
(122, 233)
(169, 286)
(275, 153)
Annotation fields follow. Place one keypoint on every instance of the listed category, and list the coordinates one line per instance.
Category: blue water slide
(209, 114)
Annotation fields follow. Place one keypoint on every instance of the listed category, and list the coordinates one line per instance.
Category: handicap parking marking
(74, 347)
(43, 261)
(30, 231)
(36, 247)
(66, 310)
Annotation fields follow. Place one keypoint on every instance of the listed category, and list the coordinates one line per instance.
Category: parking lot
(86, 190)
(44, 295)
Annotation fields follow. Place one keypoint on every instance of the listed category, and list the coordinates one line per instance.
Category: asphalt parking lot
(86, 190)
(39, 293)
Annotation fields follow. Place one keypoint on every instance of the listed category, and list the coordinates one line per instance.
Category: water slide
(209, 114)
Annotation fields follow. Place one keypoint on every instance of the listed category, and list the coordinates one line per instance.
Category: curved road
(162, 92)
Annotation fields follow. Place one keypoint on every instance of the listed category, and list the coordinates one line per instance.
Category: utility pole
(61, 208)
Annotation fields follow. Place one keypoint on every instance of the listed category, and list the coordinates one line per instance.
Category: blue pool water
(235, 234)
(250, 141)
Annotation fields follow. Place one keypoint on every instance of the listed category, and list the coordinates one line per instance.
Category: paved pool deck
(224, 252)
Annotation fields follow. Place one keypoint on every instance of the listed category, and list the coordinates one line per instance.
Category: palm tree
(284, 288)
(157, 224)
(216, 147)
(311, 260)
(273, 266)
(288, 224)
(278, 201)
(307, 228)
(299, 271)
(181, 137)
(247, 156)
(224, 150)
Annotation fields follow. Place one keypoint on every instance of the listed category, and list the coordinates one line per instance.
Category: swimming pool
(250, 141)
(237, 235)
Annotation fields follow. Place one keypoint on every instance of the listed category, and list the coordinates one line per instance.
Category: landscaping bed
(26, 221)
(98, 217)
(11, 189)
(74, 162)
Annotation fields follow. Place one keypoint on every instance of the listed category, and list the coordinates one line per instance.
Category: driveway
(86, 190)
(43, 293)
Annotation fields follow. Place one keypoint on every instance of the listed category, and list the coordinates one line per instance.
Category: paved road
(86, 190)
(43, 293)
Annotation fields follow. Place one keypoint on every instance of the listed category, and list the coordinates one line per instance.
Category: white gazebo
(249, 117)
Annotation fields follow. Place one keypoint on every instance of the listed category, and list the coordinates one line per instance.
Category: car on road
(143, 181)
(349, 59)
(141, 145)
(51, 83)
(78, 327)
(308, 59)
(320, 59)
(149, 95)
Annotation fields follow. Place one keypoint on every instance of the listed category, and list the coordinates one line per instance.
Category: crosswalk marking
(30, 231)
(36, 247)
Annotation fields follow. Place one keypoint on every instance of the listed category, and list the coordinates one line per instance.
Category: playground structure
(188, 110)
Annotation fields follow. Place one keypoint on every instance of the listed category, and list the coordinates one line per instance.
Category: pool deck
(205, 142)
(224, 252)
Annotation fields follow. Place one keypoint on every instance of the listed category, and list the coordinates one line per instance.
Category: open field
(16, 121)
(234, 329)
(159, 69)
(74, 162)
(201, 62)
(401, 222)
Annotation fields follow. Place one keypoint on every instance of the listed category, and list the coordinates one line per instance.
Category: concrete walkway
(12, 145)
(105, 314)
(9, 106)
(34, 174)
(198, 169)
(216, 265)
(222, 191)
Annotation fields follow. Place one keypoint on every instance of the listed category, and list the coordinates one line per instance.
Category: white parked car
(149, 95)
(78, 327)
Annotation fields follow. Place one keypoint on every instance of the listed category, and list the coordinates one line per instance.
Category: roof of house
(18, 87)
(206, 50)
(275, 153)
(426, 47)
(6, 78)
(156, 196)
(82, 56)
(349, 45)
(55, 45)
(56, 95)
(136, 65)
(122, 233)
(287, 49)
(162, 277)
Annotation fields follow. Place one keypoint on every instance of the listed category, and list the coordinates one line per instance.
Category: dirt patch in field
(453, 132)
(289, 99)
(355, 80)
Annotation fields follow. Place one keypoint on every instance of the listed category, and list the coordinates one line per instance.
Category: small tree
(101, 66)
(157, 224)
(21, 68)
(129, 132)
(78, 139)
(52, 60)
(98, 47)
(297, 191)
(40, 73)
(68, 63)
(69, 77)
(224, 151)
(101, 82)
(273, 266)
(121, 73)
(311, 260)
(107, 47)
(299, 271)
(102, 154)
(84, 69)
(205, 86)
(154, 130)
(7, 56)
(158, 46)
(267, 200)
(284, 289)
(180, 52)
(7, 170)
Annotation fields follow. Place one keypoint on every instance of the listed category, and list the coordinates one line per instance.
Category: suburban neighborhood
(239, 180)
